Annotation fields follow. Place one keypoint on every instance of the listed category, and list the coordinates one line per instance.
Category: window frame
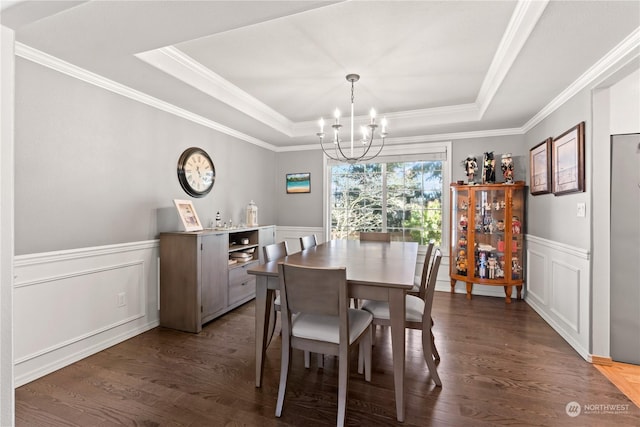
(401, 153)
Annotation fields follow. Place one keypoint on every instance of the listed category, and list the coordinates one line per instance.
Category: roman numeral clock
(196, 172)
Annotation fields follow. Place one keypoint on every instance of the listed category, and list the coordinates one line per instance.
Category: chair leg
(343, 382)
(272, 325)
(320, 360)
(307, 359)
(284, 371)
(427, 353)
(434, 349)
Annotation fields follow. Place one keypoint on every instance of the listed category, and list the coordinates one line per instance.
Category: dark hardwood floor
(501, 365)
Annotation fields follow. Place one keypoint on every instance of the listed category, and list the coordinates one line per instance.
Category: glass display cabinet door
(516, 236)
(491, 235)
(459, 232)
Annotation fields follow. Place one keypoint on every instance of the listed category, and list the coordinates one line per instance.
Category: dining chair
(323, 323)
(273, 252)
(417, 289)
(417, 316)
(377, 237)
(307, 242)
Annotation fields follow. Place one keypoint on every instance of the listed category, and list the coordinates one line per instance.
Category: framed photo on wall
(298, 183)
(567, 156)
(540, 168)
(188, 215)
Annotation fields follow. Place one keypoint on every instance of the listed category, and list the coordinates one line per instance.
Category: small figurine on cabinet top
(470, 167)
(489, 168)
(507, 168)
(515, 225)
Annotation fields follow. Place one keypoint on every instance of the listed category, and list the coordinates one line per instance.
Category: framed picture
(188, 215)
(540, 168)
(567, 156)
(298, 183)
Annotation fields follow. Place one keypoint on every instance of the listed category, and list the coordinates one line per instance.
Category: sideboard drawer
(241, 290)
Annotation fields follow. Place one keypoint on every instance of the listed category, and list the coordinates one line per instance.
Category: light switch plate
(582, 210)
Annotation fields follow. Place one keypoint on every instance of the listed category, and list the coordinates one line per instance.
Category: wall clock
(196, 172)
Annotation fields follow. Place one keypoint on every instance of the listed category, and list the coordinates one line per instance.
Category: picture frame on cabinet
(188, 215)
(298, 183)
(567, 156)
(540, 168)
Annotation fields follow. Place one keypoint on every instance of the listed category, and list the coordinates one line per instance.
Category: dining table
(381, 271)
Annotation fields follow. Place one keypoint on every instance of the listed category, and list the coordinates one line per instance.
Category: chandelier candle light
(355, 153)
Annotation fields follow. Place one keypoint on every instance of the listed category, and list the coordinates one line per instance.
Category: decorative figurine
(496, 205)
(461, 262)
(500, 225)
(482, 265)
(515, 225)
(489, 168)
(470, 167)
(218, 220)
(493, 263)
(462, 242)
(507, 168)
(463, 222)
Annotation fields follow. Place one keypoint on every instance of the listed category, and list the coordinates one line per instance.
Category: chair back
(376, 237)
(307, 242)
(428, 260)
(275, 251)
(431, 288)
(313, 290)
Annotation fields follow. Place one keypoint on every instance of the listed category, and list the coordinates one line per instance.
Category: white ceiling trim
(619, 56)
(422, 138)
(184, 68)
(524, 19)
(74, 71)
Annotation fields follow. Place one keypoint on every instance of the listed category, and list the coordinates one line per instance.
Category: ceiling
(266, 71)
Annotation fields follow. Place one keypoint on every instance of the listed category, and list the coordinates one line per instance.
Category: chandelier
(353, 151)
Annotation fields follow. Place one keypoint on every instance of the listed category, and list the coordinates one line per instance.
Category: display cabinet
(487, 236)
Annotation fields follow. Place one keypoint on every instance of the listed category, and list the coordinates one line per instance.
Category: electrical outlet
(122, 299)
(582, 210)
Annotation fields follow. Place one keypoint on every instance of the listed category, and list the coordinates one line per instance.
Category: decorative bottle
(252, 214)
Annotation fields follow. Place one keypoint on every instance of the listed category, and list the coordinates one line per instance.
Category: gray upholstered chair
(417, 316)
(323, 323)
(307, 242)
(377, 237)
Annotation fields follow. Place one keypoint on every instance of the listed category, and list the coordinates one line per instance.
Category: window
(401, 195)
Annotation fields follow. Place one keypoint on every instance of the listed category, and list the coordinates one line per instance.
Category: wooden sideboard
(197, 281)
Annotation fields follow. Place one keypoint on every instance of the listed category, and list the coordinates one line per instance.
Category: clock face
(196, 172)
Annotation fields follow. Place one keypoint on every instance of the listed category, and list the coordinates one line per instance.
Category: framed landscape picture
(567, 156)
(298, 183)
(540, 168)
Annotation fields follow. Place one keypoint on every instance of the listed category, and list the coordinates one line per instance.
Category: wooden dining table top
(388, 264)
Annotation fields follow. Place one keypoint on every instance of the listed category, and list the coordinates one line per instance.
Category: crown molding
(186, 69)
(623, 53)
(57, 64)
(524, 19)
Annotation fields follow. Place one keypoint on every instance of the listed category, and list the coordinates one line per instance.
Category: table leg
(264, 301)
(396, 313)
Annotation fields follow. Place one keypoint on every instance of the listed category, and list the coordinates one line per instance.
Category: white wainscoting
(71, 304)
(292, 235)
(558, 289)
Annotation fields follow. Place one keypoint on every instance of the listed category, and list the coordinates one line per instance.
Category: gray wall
(300, 210)
(552, 217)
(95, 168)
